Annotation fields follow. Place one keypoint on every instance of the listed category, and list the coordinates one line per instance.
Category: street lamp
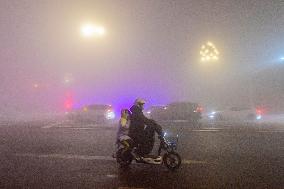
(68, 79)
(35, 85)
(209, 52)
(90, 30)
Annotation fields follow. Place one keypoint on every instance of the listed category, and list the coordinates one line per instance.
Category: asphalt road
(65, 154)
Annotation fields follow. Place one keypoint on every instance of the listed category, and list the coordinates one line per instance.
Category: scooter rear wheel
(172, 160)
(123, 158)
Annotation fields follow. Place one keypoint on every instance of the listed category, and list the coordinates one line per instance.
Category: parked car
(157, 112)
(97, 113)
(185, 111)
(236, 114)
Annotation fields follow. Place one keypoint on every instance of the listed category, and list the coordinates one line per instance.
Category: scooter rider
(142, 130)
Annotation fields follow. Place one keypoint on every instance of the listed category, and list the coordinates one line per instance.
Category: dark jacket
(142, 130)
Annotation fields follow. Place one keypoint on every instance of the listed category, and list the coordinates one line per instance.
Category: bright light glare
(211, 116)
(110, 115)
(258, 117)
(90, 30)
(35, 85)
(282, 58)
(209, 52)
(68, 79)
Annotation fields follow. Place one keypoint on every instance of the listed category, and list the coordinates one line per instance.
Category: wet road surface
(65, 154)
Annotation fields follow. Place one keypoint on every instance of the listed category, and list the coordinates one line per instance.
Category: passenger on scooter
(122, 133)
(142, 130)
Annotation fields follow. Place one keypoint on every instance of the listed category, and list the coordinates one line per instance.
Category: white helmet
(139, 101)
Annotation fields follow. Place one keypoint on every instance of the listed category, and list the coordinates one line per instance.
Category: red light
(69, 102)
(199, 109)
(260, 111)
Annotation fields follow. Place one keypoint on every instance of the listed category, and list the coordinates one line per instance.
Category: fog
(150, 50)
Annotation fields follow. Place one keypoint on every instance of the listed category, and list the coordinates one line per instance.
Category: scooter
(167, 155)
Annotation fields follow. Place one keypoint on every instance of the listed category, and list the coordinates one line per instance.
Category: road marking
(219, 130)
(112, 176)
(81, 128)
(70, 125)
(179, 121)
(213, 128)
(86, 157)
(49, 126)
(57, 124)
(68, 156)
(193, 162)
(205, 130)
(271, 131)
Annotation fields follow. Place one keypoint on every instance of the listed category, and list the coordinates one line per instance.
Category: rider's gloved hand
(161, 136)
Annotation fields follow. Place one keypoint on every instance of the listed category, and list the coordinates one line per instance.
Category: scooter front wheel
(172, 160)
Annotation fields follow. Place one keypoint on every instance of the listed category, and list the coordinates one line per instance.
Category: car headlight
(110, 115)
(258, 117)
(211, 116)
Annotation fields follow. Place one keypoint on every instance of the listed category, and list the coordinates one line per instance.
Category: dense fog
(151, 49)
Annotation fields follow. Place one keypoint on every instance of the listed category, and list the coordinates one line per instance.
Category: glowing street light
(35, 85)
(209, 52)
(68, 79)
(91, 30)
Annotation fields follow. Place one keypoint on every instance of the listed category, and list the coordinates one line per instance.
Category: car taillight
(199, 109)
(68, 104)
(260, 111)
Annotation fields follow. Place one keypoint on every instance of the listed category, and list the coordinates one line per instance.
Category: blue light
(258, 117)
(211, 116)
(282, 58)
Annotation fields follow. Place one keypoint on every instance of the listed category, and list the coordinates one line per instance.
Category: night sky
(150, 50)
